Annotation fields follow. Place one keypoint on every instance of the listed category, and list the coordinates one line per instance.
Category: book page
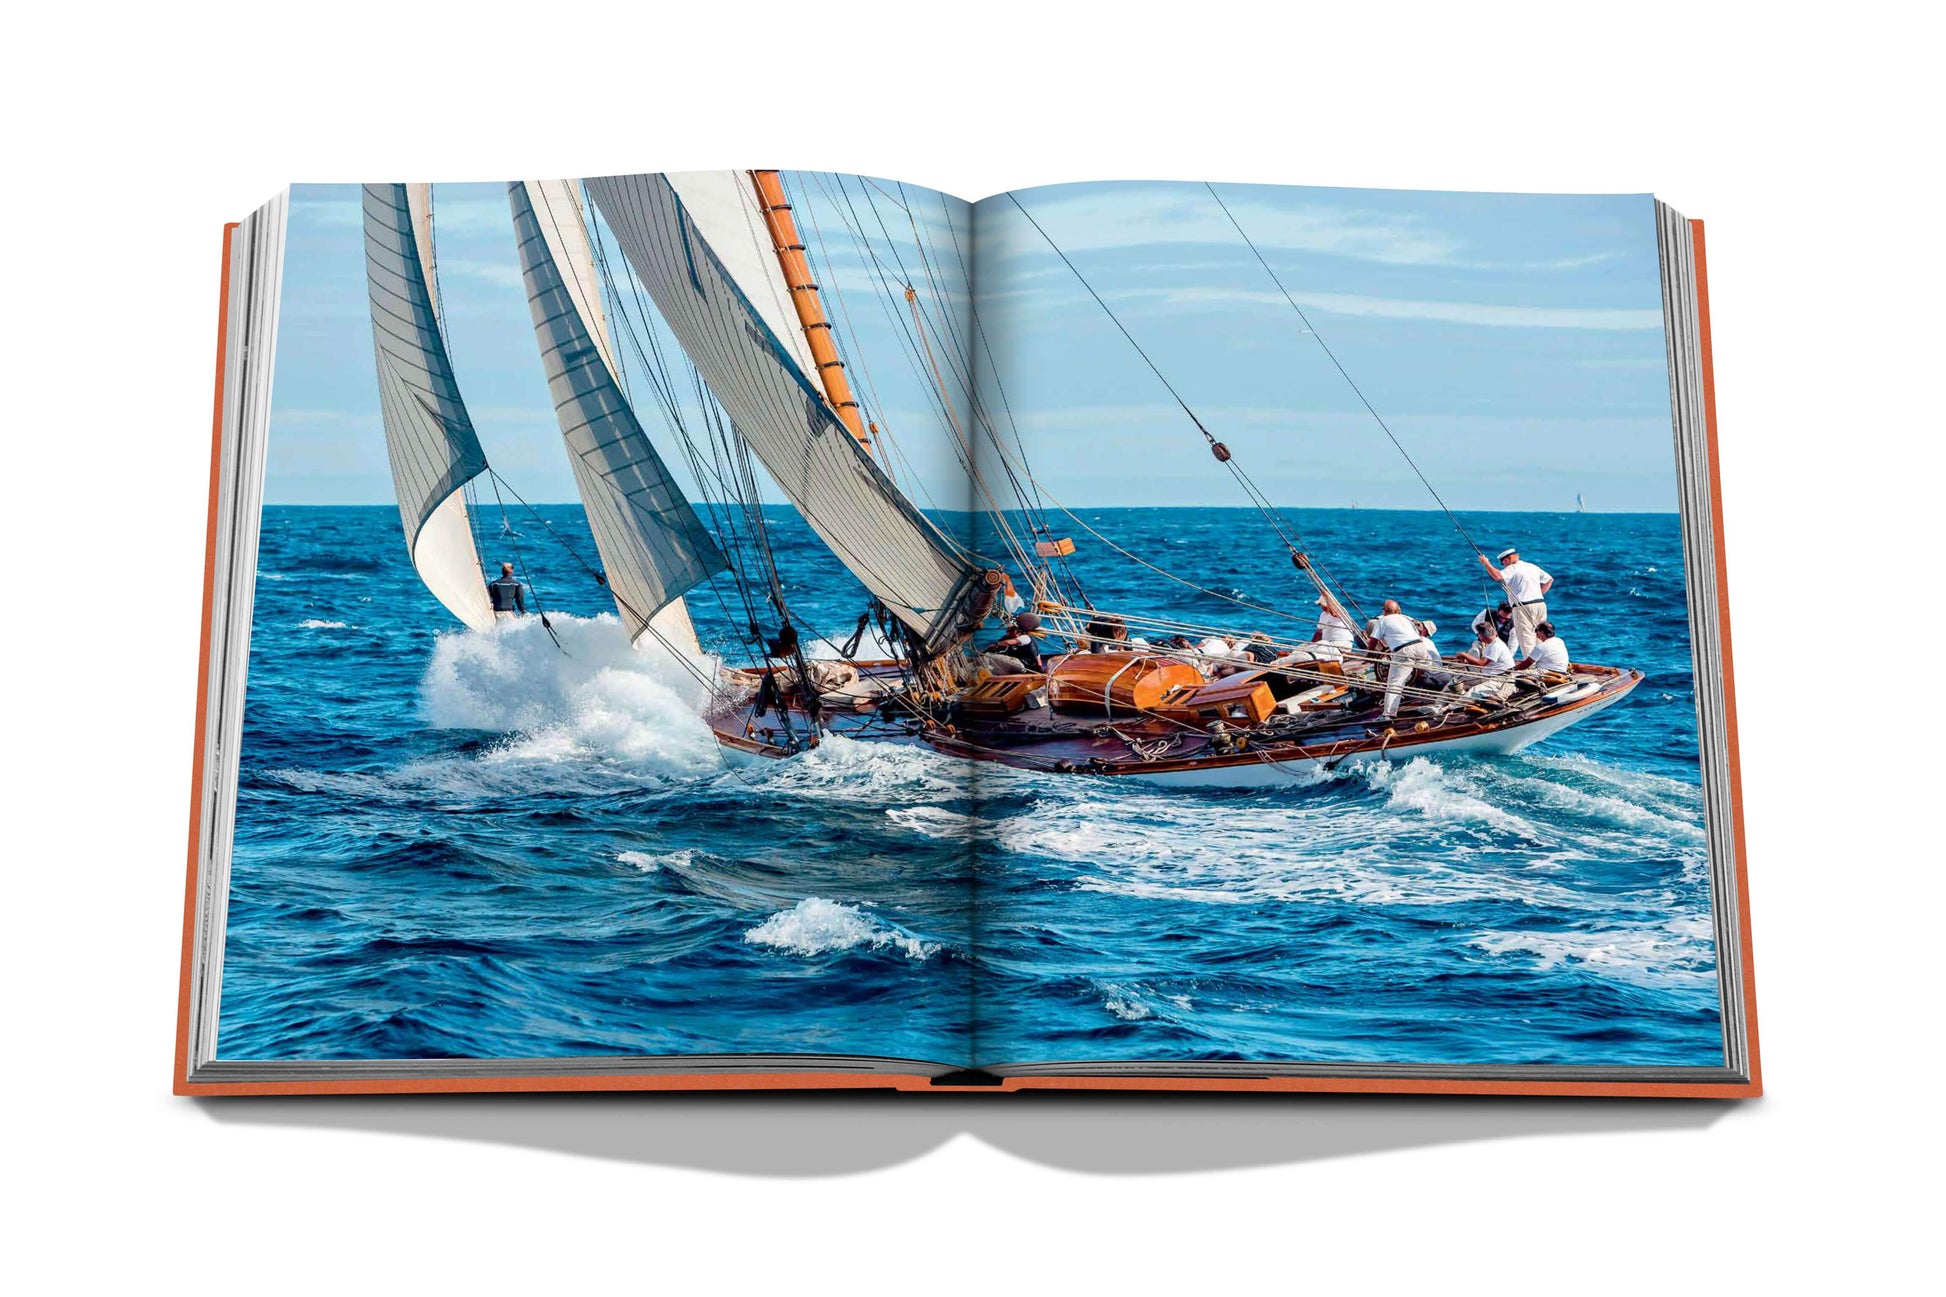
(598, 518)
(1287, 802)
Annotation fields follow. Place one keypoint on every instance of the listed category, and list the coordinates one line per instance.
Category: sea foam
(816, 926)
(592, 697)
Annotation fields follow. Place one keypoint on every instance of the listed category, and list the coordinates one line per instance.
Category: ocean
(453, 844)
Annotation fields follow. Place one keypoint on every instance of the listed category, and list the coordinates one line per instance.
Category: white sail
(713, 273)
(653, 546)
(428, 435)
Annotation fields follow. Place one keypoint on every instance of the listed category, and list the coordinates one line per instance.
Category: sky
(1512, 343)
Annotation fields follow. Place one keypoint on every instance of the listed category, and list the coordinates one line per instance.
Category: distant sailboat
(1579, 507)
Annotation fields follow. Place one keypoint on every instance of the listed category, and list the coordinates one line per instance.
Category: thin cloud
(1391, 308)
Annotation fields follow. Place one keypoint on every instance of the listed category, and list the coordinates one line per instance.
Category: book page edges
(814, 1080)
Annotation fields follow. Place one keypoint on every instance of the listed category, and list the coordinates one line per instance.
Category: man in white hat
(1328, 642)
(1410, 648)
(1526, 586)
(1332, 627)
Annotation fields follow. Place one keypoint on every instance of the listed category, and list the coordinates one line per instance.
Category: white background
(1810, 143)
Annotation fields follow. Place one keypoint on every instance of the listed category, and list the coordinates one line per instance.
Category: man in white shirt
(1490, 655)
(1217, 655)
(1329, 639)
(1526, 586)
(1411, 651)
(1332, 628)
(1550, 653)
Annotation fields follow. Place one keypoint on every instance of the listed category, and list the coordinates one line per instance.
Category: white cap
(1324, 601)
(1511, 549)
(1431, 627)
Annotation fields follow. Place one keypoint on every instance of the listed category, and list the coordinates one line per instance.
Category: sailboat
(1118, 693)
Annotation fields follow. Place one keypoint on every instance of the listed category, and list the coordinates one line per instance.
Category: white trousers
(1405, 661)
(1497, 689)
(1526, 617)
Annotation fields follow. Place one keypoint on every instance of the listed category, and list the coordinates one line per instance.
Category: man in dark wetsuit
(1016, 654)
(509, 600)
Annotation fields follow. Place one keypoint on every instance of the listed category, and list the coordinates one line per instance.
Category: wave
(816, 926)
(847, 769)
(653, 864)
(1680, 951)
(314, 623)
(594, 698)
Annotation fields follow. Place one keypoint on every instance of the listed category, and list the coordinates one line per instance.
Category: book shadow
(822, 1134)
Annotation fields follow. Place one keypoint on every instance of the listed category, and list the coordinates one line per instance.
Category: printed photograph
(771, 612)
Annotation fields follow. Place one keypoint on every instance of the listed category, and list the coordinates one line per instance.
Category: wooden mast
(804, 296)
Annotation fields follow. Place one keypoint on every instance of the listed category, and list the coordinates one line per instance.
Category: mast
(804, 297)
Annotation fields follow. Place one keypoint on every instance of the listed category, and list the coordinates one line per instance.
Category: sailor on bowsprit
(1526, 586)
(509, 599)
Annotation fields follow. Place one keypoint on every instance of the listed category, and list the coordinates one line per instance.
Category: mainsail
(698, 243)
(428, 436)
(653, 546)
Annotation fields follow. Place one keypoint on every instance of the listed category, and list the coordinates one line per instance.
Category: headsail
(699, 244)
(428, 436)
(653, 546)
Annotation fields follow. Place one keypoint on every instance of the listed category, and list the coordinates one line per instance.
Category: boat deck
(1351, 728)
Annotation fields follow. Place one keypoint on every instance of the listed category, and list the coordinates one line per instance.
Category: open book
(758, 628)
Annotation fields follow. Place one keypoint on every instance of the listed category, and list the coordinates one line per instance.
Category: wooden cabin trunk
(1116, 682)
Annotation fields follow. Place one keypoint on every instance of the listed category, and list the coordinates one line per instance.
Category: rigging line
(829, 275)
(881, 432)
(1029, 493)
(854, 226)
(918, 348)
(657, 375)
(1270, 514)
(1006, 533)
(1342, 372)
(922, 242)
(520, 560)
(657, 371)
(1037, 506)
(1163, 572)
(1115, 320)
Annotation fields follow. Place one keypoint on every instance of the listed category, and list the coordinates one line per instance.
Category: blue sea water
(453, 844)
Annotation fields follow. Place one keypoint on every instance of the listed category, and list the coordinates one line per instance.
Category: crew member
(1333, 628)
(1015, 653)
(1490, 654)
(1526, 586)
(1105, 635)
(1329, 640)
(1260, 650)
(1411, 649)
(1550, 652)
(1218, 654)
(1502, 618)
(509, 599)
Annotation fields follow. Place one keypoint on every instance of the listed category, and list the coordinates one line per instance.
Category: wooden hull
(1156, 752)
